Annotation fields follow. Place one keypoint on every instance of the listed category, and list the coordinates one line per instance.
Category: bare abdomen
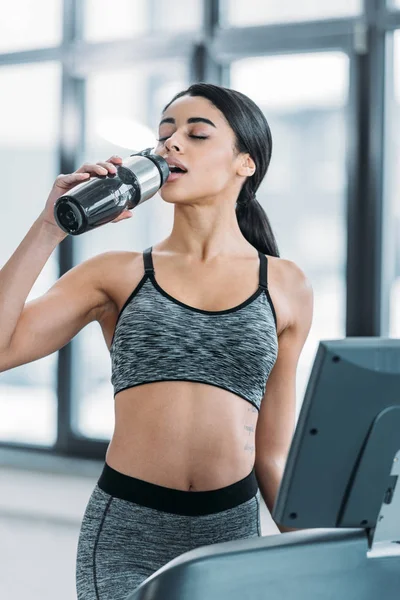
(183, 435)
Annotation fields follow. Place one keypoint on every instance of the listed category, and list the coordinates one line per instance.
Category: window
(304, 192)
(258, 12)
(391, 237)
(124, 18)
(119, 128)
(302, 88)
(26, 25)
(28, 152)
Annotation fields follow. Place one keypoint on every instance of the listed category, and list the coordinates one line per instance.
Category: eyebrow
(191, 120)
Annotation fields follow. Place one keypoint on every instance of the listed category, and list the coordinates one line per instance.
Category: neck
(205, 232)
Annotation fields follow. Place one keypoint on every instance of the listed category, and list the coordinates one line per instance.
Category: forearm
(20, 272)
(269, 476)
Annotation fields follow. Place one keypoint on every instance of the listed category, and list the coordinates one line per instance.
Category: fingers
(126, 214)
(111, 164)
(117, 160)
(92, 169)
(108, 167)
(101, 167)
(67, 181)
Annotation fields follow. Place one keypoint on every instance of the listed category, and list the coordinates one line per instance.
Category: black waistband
(179, 502)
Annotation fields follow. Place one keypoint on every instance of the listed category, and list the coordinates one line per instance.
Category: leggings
(131, 528)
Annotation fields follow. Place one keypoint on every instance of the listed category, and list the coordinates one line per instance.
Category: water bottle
(100, 200)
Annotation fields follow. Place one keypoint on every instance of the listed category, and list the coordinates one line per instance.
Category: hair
(253, 136)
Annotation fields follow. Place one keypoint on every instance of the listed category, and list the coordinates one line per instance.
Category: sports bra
(159, 338)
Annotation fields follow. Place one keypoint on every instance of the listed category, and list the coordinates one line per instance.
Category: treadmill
(340, 489)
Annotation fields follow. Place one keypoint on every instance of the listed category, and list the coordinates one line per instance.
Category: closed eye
(197, 137)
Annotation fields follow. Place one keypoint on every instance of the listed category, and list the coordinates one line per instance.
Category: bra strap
(148, 260)
(263, 283)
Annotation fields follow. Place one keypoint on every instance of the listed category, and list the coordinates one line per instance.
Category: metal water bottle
(101, 199)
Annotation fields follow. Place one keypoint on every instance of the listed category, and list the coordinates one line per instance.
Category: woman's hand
(64, 183)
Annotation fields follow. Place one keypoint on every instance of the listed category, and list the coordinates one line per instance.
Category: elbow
(272, 464)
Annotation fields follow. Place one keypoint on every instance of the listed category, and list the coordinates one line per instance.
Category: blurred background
(82, 80)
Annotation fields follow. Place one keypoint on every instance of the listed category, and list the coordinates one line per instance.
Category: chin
(173, 196)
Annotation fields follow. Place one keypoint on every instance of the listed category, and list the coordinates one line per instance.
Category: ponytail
(253, 221)
(255, 226)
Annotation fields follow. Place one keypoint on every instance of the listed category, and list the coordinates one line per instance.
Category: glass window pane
(258, 12)
(391, 263)
(28, 24)
(142, 94)
(124, 18)
(28, 155)
(304, 192)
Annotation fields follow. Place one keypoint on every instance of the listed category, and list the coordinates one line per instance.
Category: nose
(173, 143)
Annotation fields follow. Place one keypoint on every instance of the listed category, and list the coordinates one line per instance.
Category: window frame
(364, 39)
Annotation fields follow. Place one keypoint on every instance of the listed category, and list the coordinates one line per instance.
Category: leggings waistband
(179, 502)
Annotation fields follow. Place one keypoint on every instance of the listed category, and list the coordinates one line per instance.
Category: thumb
(124, 215)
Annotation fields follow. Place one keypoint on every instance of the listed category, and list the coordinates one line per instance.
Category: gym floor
(40, 515)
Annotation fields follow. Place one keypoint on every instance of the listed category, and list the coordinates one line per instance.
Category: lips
(173, 162)
(174, 176)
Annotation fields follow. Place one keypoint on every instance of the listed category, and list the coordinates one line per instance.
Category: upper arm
(277, 416)
(49, 322)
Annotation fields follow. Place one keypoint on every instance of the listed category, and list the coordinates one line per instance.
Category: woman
(204, 330)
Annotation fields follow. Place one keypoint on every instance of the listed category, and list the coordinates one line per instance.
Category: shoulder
(109, 271)
(109, 266)
(295, 286)
(104, 261)
(293, 277)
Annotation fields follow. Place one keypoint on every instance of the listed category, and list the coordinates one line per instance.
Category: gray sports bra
(159, 338)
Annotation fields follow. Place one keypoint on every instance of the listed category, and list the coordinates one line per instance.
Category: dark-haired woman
(204, 329)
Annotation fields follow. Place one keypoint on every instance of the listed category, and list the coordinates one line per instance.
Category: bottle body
(100, 200)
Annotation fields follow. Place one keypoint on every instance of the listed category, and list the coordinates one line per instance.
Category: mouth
(175, 173)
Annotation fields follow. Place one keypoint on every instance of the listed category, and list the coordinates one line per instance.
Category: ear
(246, 166)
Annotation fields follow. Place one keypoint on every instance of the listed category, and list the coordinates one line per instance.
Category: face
(194, 134)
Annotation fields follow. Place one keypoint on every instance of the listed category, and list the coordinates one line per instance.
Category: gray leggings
(131, 528)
